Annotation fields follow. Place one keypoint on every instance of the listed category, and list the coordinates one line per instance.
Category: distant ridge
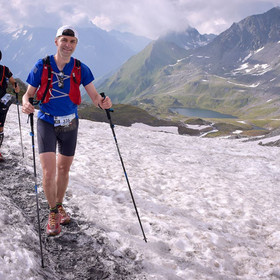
(102, 51)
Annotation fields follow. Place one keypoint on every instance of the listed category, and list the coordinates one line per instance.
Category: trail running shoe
(53, 226)
(65, 217)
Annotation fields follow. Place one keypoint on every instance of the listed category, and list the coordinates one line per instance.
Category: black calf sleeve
(1, 138)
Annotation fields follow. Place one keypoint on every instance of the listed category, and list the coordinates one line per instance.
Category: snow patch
(247, 57)
(237, 131)
(17, 34)
(171, 129)
(243, 85)
(257, 51)
(242, 67)
(209, 207)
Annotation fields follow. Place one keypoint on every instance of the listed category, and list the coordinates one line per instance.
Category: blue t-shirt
(60, 103)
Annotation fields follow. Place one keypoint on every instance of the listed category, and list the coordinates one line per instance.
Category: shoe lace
(61, 210)
(52, 220)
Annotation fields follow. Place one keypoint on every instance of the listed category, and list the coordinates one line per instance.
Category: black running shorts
(48, 137)
(3, 113)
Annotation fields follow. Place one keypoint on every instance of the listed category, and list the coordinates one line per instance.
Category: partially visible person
(55, 81)
(5, 99)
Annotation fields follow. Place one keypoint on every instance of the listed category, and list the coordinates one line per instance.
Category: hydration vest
(3, 76)
(44, 91)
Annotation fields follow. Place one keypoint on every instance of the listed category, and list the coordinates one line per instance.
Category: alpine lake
(200, 113)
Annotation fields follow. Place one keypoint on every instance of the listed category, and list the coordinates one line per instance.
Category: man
(5, 99)
(58, 119)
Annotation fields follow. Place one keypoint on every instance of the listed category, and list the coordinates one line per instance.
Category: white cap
(67, 30)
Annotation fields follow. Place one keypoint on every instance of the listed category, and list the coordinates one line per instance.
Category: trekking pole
(19, 121)
(130, 190)
(31, 115)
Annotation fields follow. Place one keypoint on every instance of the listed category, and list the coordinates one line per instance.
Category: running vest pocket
(7, 100)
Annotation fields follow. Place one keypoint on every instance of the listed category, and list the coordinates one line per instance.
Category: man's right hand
(27, 107)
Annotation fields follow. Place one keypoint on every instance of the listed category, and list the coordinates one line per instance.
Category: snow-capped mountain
(102, 51)
(189, 39)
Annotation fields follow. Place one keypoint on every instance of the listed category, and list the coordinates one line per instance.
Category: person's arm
(27, 108)
(14, 83)
(97, 99)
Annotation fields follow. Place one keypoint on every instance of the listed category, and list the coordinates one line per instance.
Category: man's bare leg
(62, 177)
(48, 163)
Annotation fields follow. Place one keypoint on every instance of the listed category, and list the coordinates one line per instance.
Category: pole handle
(16, 92)
(108, 111)
(31, 99)
(104, 96)
(30, 116)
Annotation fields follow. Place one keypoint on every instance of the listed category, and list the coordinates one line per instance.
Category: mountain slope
(236, 73)
(141, 71)
(249, 35)
(245, 60)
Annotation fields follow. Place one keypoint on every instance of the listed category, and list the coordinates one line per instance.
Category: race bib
(64, 120)
(6, 98)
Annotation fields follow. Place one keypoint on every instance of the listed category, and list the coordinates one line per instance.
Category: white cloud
(142, 17)
(103, 22)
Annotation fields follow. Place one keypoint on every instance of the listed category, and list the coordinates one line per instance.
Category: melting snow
(209, 207)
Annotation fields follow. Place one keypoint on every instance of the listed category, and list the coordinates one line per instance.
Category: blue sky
(150, 18)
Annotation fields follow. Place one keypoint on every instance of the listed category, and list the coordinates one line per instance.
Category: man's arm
(14, 83)
(96, 98)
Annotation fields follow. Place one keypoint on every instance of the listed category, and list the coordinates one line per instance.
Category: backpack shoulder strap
(77, 70)
(46, 60)
(47, 63)
(3, 75)
(77, 63)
